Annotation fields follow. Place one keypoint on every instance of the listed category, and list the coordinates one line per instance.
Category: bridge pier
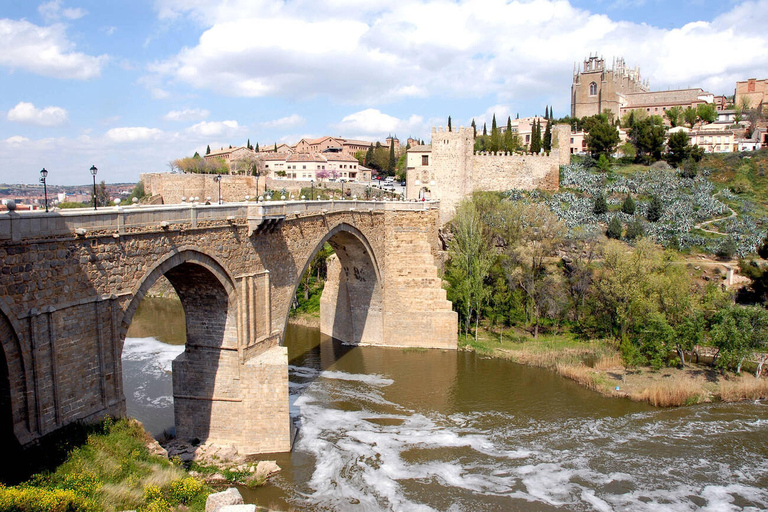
(71, 281)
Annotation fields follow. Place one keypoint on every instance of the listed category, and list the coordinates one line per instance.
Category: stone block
(219, 500)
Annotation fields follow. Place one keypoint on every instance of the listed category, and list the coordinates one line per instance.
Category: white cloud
(160, 94)
(374, 123)
(16, 142)
(188, 114)
(133, 134)
(52, 11)
(29, 114)
(377, 53)
(215, 128)
(45, 51)
(285, 122)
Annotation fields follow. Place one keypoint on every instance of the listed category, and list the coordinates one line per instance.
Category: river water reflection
(393, 429)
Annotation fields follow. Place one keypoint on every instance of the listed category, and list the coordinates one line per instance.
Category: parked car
(389, 179)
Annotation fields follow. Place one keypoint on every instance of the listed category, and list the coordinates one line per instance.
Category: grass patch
(113, 470)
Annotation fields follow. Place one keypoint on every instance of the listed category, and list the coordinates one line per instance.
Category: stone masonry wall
(68, 300)
(172, 187)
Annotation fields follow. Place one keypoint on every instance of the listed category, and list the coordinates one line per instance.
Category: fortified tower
(596, 89)
(452, 153)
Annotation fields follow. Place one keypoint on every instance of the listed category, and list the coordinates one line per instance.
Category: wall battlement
(452, 170)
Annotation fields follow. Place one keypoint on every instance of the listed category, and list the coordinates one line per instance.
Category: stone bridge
(71, 281)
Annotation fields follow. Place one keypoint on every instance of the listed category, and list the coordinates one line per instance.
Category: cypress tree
(485, 130)
(474, 129)
(628, 206)
(547, 142)
(369, 156)
(508, 135)
(248, 144)
(601, 205)
(494, 147)
(614, 228)
(196, 155)
(275, 147)
(517, 116)
(392, 159)
(546, 112)
(449, 124)
(208, 150)
(536, 138)
(493, 124)
(655, 209)
(257, 147)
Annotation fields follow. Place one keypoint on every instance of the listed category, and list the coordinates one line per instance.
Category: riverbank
(597, 365)
(306, 319)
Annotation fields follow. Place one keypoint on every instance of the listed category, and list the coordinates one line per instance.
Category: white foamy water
(371, 453)
(147, 370)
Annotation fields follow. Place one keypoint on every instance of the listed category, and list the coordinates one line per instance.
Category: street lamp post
(94, 170)
(43, 175)
(217, 179)
(312, 184)
(342, 190)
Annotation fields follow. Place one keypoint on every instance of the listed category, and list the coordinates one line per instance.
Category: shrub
(35, 499)
(690, 169)
(603, 163)
(628, 206)
(614, 228)
(601, 205)
(635, 230)
(655, 209)
(186, 489)
(727, 249)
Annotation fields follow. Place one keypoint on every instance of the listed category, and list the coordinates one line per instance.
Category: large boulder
(217, 501)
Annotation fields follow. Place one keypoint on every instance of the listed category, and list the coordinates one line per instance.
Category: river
(408, 430)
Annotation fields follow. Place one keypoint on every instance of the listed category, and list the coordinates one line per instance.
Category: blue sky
(130, 86)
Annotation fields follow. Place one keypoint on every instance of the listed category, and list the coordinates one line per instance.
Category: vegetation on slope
(112, 470)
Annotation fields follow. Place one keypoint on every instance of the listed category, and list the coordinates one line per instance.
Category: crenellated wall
(455, 170)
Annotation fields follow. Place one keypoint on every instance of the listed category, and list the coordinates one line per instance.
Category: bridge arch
(203, 376)
(351, 304)
(14, 411)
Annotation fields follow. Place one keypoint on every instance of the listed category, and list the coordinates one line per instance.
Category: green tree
(614, 228)
(257, 147)
(494, 145)
(248, 144)
(208, 150)
(474, 129)
(635, 230)
(449, 124)
(535, 138)
(602, 138)
(628, 206)
(655, 209)
(601, 205)
(674, 114)
(648, 136)
(691, 116)
(369, 156)
(485, 130)
(679, 148)
(392, 160)
(541, 281)
(706, 112)
(547, 142)
(471, 258)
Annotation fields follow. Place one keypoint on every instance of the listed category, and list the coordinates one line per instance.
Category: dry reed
(580, 373)
(671, 392)
(746, 387)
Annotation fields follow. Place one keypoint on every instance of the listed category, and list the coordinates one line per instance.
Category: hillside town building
(753, 93)
(619, 90)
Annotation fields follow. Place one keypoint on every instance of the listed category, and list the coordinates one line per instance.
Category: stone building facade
(619, 90)
(449, 170)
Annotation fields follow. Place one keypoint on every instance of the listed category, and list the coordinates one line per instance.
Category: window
(424, 159)
(303, 166)
(593, 89)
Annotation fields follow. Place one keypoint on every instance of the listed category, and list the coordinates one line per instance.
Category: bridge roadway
(71, 281)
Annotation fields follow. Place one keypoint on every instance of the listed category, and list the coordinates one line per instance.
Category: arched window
(593, 89)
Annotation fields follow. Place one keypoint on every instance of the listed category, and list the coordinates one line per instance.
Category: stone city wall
(172, 187)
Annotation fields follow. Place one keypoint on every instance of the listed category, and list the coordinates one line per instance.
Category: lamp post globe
(94, 170)
(43, 176)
